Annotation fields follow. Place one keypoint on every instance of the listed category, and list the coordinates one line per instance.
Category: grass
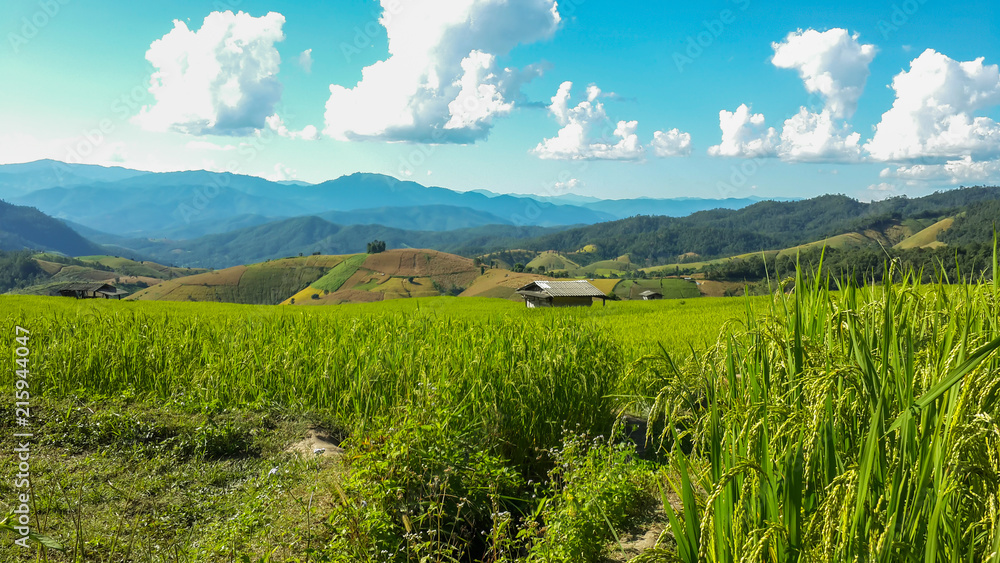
(860, 424)
(928, 237)
(553, 261)
(340, 273)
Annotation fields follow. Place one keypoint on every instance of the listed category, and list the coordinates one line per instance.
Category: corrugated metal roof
(576, 288)
(650, 292)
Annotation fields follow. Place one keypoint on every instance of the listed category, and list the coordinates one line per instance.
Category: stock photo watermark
(900, 16)
(22, 436)
(31, 26)
(695, 45)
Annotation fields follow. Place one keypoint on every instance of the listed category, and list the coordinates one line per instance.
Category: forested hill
(26, 227)
(763, 226)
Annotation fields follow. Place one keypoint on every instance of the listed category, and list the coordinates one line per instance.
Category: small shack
(650, 295)
(543, 293)
(90, 290)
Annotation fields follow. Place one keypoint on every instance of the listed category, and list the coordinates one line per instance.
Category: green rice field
(857, 425)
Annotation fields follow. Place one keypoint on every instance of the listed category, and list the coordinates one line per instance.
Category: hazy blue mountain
(143, 210)
(176, 202)
(20, 179)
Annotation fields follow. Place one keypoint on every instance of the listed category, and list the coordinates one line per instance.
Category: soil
(316, 443)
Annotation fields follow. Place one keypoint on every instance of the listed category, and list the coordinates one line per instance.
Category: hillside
(307, 235)
(266, 283)
(28, 228)
(393, 274)
(767, 225)
(32, 273)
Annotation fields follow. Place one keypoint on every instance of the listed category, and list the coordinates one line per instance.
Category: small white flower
(272, 472)
(319, 451)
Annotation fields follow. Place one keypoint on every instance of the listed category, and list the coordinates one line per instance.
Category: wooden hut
(543, 293)
(91, 290)
(650, 295)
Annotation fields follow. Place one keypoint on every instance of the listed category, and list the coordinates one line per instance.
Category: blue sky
(475, 94)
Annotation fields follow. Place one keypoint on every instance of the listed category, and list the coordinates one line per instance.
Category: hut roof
(86, 286)
(576, 288)
(113, 292)
(649, 292)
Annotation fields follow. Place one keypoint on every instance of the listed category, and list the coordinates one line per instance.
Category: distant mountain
(190, 204)
(153, 204)
(766, 225)
(416, 218)
(20, 179)
(307, 235)
(28, 228)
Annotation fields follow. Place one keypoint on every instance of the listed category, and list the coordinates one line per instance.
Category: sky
(610, 99)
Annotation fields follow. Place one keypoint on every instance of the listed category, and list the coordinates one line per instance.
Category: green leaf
(942, 387)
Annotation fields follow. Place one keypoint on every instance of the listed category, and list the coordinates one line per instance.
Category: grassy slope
(553, 261)
(928, 237)
(265, 283)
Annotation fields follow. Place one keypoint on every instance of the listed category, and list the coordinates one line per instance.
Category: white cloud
(882, 190)
(832, 64)
(816, 137)
(932, 114)
(276, 124)
(744, 134)
(961, 171)
(671, 143)
(441, 82)
(583, 133)
(281, 173)
(568, 185)
(218, 80)
(305, 60)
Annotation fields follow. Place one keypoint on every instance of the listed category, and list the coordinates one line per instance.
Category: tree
(541, 269)
(376, 246)
(519, 267)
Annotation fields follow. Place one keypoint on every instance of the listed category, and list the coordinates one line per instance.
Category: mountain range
(185, 205)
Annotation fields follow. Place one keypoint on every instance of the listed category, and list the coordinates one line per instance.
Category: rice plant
(853, 425)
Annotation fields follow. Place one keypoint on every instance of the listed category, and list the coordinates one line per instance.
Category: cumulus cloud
(964, 170)
(276, 124)
(441, 82)
(281, 173)
(745, 134)
(932, 114)
(832, 64)
(219, 80)
(582, 136)
(817, 137)
(584, 133)
(671, 143)
(568, 185)
(306, 60)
